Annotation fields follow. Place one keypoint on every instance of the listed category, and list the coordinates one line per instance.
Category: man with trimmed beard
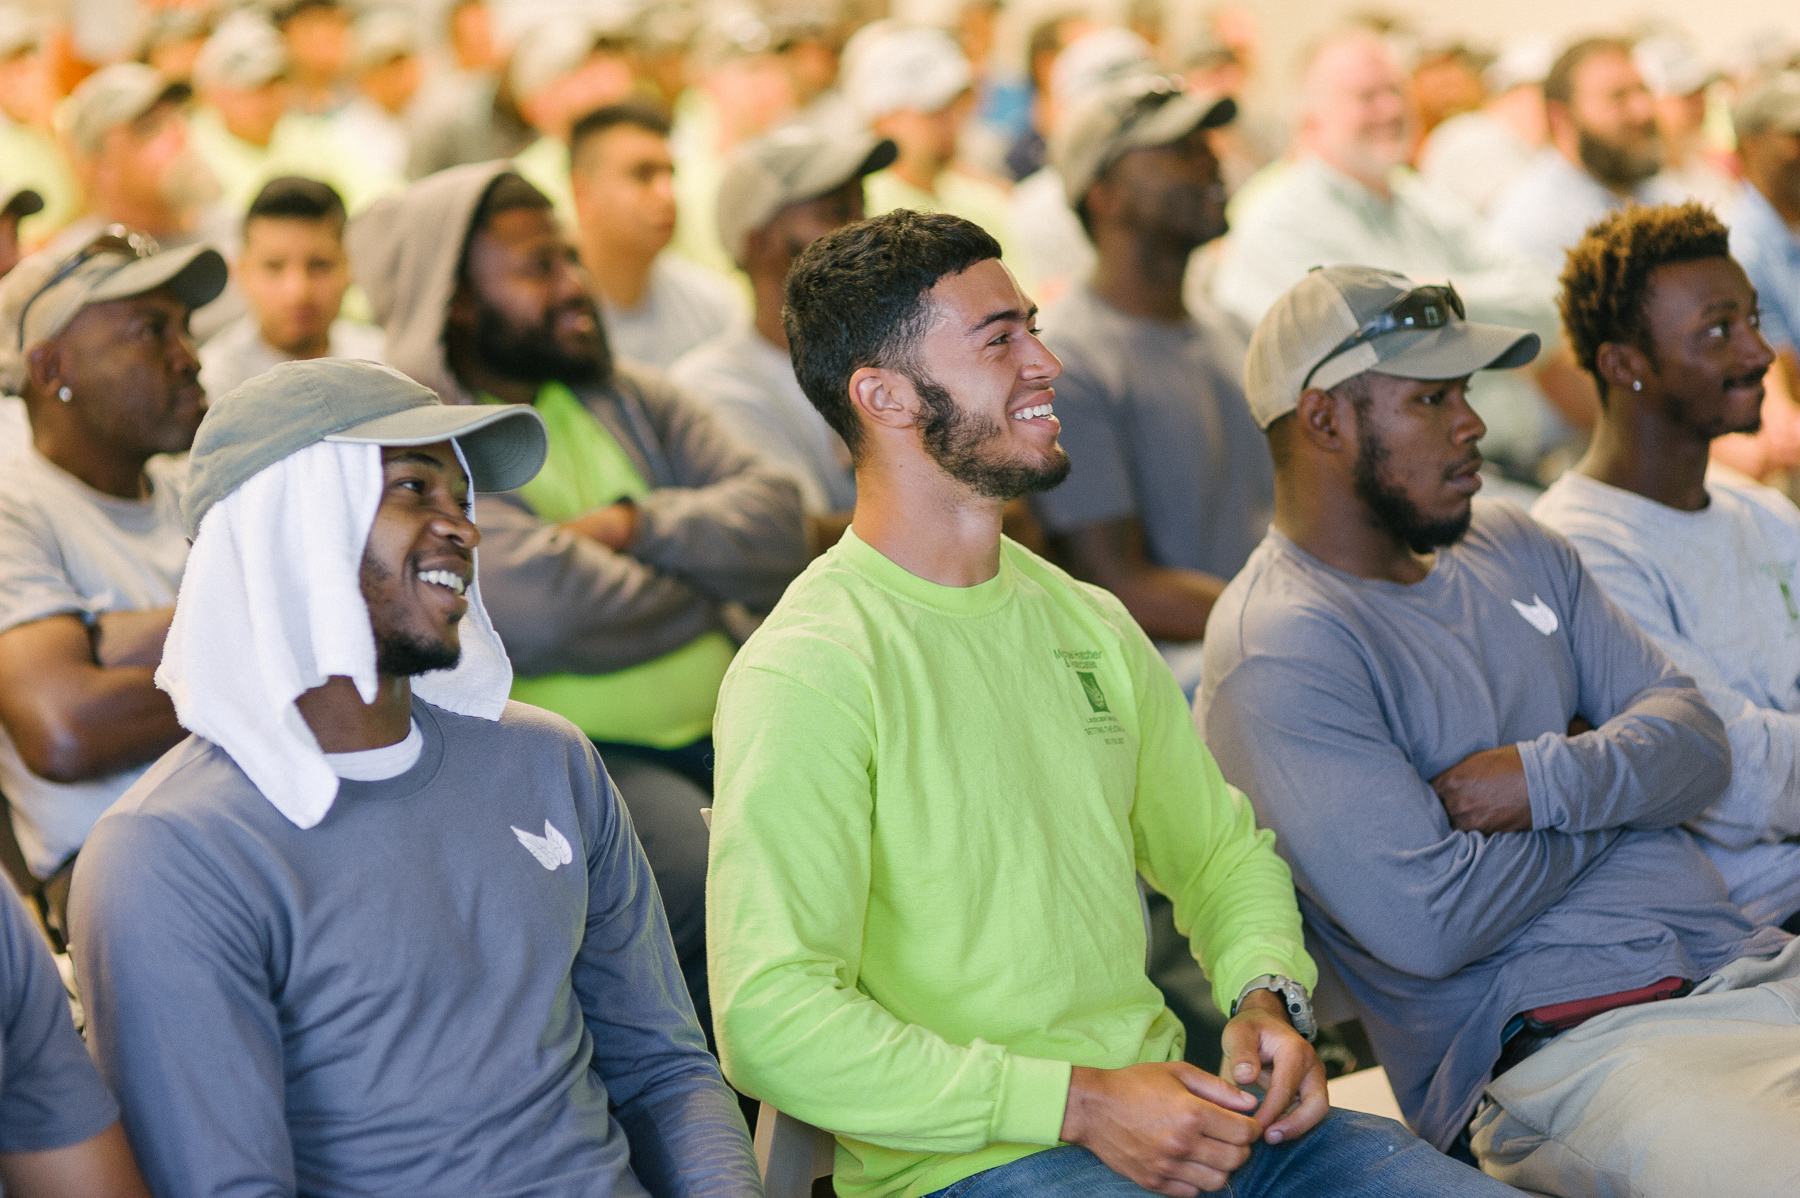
(617, 575)
(943, 763)
(1605, 152)
(1477, 767)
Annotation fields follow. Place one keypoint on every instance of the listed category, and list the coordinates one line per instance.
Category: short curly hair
(1606, 282)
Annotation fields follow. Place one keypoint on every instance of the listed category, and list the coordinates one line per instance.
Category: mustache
(1750, 379)
(1472, 462)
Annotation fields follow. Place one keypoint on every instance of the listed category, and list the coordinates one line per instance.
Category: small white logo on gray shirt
(552, 850)
(1537, 613)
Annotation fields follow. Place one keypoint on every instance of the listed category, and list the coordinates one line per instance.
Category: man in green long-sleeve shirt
(942, 764)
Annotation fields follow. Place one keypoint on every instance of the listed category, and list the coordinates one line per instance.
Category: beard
(404, 655)
(1619, 165)
(958, 441)
(532, 353)
(1393, 511)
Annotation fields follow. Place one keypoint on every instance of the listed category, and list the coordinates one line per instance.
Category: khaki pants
(1694, 1096)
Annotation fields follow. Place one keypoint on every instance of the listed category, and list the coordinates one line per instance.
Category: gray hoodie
(721, 524)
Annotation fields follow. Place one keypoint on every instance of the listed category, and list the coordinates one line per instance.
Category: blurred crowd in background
(170, 118)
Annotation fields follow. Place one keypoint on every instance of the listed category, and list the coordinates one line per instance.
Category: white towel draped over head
(271, 605)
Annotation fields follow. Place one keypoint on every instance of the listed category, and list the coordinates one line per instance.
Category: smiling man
(1667, 322)
(373, 928)
(1477, 767)
(943, 763)
(91, 546)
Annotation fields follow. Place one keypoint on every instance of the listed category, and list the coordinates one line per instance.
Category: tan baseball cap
(792, 164)
(1135, 113)
(42, 294)
(382, 35)
(112, 96)
(1330, 326)
(1772, 105)
(901, 69)
(296, 404)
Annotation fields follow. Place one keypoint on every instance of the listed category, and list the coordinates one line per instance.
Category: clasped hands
(1178, 1130)
(1486, 791)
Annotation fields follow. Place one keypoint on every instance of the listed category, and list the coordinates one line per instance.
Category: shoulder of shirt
(517, 721)
(1752, 494)
(714, 360)
(694, 277)
(196, 783)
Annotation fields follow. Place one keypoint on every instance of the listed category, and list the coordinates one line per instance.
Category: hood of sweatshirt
(404, 250)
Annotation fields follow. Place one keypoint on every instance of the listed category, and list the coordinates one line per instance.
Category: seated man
(611, 573)
(59, 1128)
(91, 547)
(1765, 221)
(133, 151)
(1172, 489)
(657, 305)
(781, 192)
(942, 764)
(293, 272)
(365, 934)
(1477, 767)
(1667, 322)
(914, 87)
(1604, 153)
(1350, 198)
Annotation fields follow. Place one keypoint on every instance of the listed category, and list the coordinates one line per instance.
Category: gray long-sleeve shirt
(1331, 700)
(721, 525)
(440, 989)
(1716, 590)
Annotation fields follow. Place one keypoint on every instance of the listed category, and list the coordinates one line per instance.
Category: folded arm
(731, 524)
(563, 603)
(1657, 756)
(1762, 801)
(79, 703)
(1369, 840)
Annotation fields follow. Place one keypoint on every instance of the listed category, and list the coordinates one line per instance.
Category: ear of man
(884, 398)
(1619, 365)
(44, 370)
(1322, 421)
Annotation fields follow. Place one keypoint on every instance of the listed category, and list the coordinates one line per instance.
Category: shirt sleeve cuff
(1034, 1094)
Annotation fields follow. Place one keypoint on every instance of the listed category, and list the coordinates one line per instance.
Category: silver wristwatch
(1293, 996)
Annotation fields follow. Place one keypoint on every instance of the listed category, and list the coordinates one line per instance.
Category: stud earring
(1636, 385)
(64, 394)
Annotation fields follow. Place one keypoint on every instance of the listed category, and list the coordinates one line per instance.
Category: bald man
(1351, 199)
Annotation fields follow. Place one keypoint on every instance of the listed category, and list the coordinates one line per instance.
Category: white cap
(1522, 60)
(907, 68)
(1093, 61)
(245, 51)
(557, 46)
(384, 34)
(19, 32)
(1671, 65)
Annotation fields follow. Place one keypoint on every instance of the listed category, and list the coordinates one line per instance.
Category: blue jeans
(1348, 1155)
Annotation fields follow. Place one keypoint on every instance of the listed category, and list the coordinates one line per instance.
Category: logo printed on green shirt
(1090, 686)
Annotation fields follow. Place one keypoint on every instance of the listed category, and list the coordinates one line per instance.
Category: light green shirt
(666, 702)
(300, 145)
(932, 806)
(30, 157)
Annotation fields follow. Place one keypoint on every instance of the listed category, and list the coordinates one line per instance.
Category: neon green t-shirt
(932, 803)
(663, 703)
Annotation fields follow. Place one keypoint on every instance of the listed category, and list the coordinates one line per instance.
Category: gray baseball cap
(1304, 341)
(1132, 114)
(1772, 105)
(112, 96)
(297, 404)
(792, 164)
(42, 294)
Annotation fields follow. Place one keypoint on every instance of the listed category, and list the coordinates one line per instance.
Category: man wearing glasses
(91, 544)
(1477, 768)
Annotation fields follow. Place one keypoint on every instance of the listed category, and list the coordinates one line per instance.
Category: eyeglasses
(1427, 307)
(114, 239)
